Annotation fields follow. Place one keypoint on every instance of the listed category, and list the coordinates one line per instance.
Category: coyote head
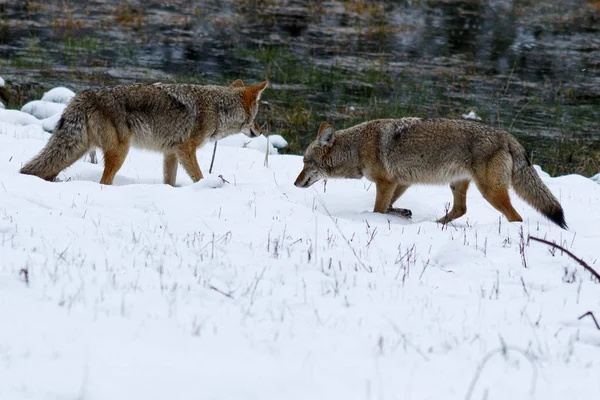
(318, 163)
(250, 98)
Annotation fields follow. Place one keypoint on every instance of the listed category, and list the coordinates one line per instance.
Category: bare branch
(212, 160)
(25, 273)
(574, 257)
(211, 287)
(591, 314)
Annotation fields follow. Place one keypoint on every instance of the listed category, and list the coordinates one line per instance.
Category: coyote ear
(325, 136)
(237, 83)
(258, 88)
(252, 94)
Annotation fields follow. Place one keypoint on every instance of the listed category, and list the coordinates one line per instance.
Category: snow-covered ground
(247, 287)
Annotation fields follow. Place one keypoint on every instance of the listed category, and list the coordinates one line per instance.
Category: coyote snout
(305, 178)
(254, 131)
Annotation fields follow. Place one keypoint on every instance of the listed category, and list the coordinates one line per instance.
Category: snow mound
(50, 123)
(596, 178)
(277, 141)
(2, 83)
(258, 143)
(16, 117)
(210, 182)
(472, 115)
(22, 131)
(2, 105)
(43, 109)
(58, 95)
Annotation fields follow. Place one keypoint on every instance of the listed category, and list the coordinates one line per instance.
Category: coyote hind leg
(493, 182)
(500, 199)
(170, 168)
(113, 160)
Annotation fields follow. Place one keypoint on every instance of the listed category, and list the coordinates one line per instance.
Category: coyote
(396, 153)
(174, 119)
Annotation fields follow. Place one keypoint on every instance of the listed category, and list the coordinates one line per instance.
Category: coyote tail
(66, 145)
(529, 186)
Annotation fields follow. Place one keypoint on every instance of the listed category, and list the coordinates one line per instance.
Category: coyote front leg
(401, 212)
(385, 191)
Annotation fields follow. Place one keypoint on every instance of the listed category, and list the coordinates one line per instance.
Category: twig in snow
(591, 314)
(266, 163)
(522, 247)
(362, 264)
(212, 160)
(25, 273)
(574, 257)
(424, 268)
(211, 287)
(504, 349)
(524, 287)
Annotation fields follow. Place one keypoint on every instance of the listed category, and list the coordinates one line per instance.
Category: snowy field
(247, 287)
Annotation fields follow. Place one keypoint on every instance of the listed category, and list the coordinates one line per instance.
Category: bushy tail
(530, 187)
(68, 143)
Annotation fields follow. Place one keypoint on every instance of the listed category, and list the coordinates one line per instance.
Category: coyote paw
(400, 212)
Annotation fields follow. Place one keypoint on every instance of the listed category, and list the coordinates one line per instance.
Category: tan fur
(397, 153)
(172, 119)
(252, 95)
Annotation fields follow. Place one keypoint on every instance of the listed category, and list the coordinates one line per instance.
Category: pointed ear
(258, 88)
(237, 83)
(252, 94)
(325, 136)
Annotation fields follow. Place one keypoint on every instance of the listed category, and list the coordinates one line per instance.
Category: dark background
(530, 67)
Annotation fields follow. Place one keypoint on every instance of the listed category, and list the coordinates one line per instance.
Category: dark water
(532, 67)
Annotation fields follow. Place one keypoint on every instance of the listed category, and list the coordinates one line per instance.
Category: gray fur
(160, 117)
(396, 153)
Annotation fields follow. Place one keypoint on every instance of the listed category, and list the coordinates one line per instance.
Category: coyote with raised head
(174, 119)
(397, 153)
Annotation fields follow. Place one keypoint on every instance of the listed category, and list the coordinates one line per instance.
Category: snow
(2, 83)
(49, 123)
(258, 143)
(278, 141)
(242, 286)
(472, 115)
(16, 117)
(43, 109)
(58, 95)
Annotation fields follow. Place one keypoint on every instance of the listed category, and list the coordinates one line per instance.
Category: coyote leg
(459, 205)
(113, 160)
(499, 198)
(493, 182)
(187, 156)
(401, 212)
(170, 168)
(385, 191)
